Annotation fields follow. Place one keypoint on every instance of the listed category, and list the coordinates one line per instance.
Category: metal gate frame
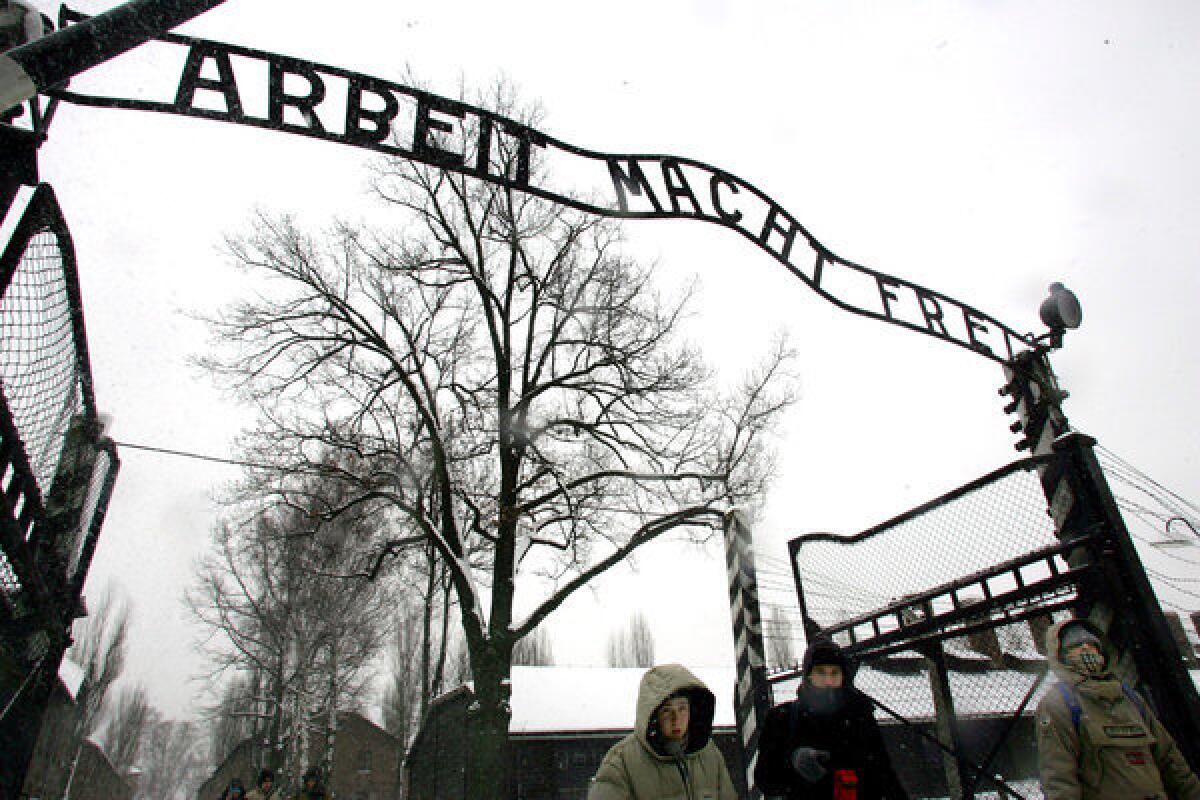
(1092, 562)
(52, 504)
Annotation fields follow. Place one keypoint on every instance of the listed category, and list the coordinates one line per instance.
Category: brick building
(366, 764)
(59, 753)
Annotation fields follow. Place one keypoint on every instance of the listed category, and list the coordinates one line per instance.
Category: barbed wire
(1164, 553)
(1121, 466)
(1172, 584)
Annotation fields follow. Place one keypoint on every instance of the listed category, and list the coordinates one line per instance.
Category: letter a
(226, 83)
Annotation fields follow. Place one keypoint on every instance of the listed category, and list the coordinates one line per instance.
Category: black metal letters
(336, 105)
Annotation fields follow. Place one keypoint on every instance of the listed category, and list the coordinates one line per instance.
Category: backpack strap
(1137, 700)
(1068, 696)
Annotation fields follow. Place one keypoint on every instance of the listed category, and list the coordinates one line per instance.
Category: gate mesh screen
(943, 541)
(977, 576)
(55, 472)
(39, 364)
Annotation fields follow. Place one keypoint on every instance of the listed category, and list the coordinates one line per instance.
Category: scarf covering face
(823, 702)
(1087, 662)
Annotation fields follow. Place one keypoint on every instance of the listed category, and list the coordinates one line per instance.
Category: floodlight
(1061, 310)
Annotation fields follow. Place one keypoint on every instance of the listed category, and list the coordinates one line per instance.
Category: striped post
(751, 699)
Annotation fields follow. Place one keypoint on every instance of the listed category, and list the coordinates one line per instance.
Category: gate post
(18, 164)
(945, 721)
(1080, 502)
(751, 697)
(1149, 654)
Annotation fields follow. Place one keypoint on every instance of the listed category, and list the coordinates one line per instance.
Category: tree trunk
(332, 730)
(487, 721)
(427, 687)
(439, 671)
(275, 752)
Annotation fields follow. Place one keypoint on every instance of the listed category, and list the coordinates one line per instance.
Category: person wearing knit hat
(1098, 739)
(825, 744)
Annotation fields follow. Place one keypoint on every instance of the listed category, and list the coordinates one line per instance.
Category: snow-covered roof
(71, 675)
(998, 691)
(581, 699)
(976, 694)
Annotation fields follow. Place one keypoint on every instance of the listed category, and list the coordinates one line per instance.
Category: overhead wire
(1164, 553)
(1171, 582)
(826, 581)
(1146, 478)
(775, 574)
(195, 456)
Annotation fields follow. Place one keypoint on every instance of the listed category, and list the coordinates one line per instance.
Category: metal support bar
(1139, 629)
(947, 723)
(1121, 600)
(1030, 591)
(1012, 723)
(52, 59)
(995, 779)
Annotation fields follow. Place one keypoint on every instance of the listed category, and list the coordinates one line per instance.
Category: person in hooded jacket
(670, 755)
(826, 743)
(311, 788)
(234, 791)
(264, 787)
(1098, 739)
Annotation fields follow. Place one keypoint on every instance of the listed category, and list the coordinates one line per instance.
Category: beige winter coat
(636, 768)
(1117, 754)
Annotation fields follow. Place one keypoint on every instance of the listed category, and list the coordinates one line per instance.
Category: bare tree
(535, 650)
(401, 695)
(245, 595)
(275, 596)
(423, 663)
(633, 645)
(171, 759)
(126, 726)
(781, 653)
(236, 716)
(99, 648)
(500, 381)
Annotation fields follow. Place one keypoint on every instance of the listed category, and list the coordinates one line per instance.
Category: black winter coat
(851, 737)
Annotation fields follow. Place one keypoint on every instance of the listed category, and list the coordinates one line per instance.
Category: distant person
(670, 752)
(1097, 738)
(264, 787)
(311, 788)
(825, 744)
(234, 791)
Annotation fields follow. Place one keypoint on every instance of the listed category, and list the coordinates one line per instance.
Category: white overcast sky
(979, 148)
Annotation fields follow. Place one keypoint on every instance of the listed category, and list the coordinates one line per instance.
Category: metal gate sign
(237, 84)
